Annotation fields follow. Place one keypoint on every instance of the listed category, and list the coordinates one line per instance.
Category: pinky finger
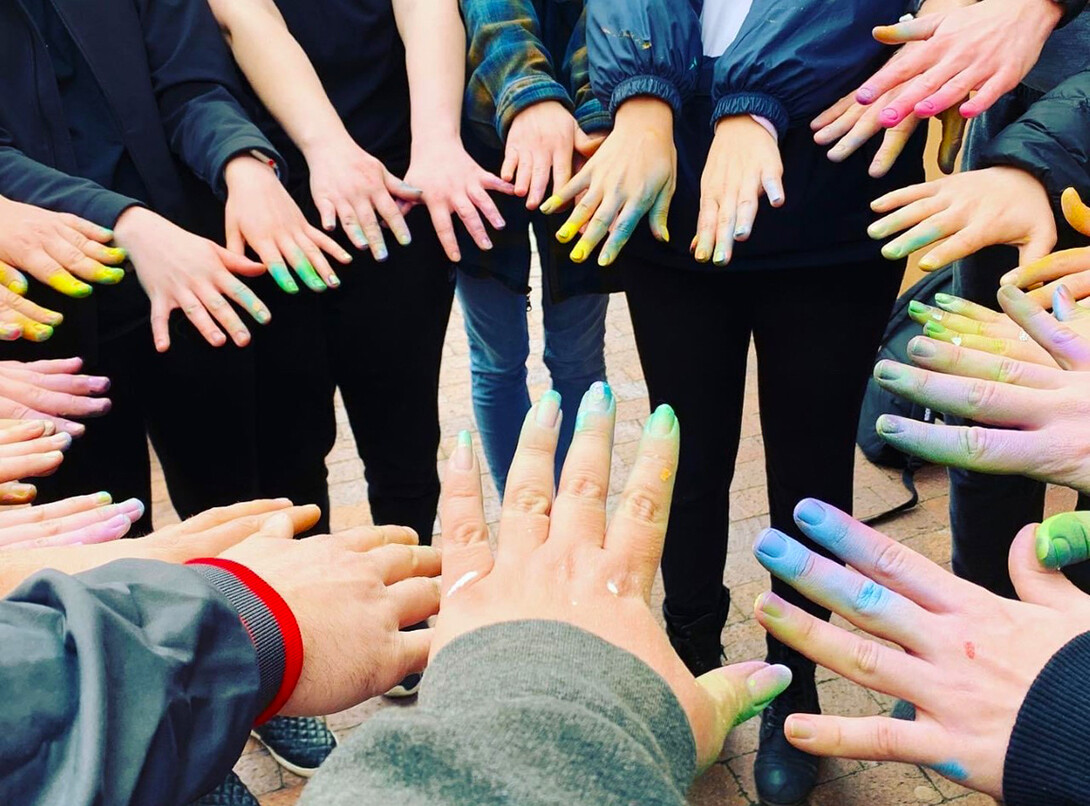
(773, 187)
(160, 323)
(869, 738)
(988, 94)
(113, 529)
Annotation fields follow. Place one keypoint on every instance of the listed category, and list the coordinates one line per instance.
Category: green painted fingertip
(663, 422)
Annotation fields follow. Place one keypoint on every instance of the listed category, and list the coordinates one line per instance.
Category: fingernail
(770, 543)
(741, 232)
(887, 371)
(486, 243)
(768, 683)
(1009, 292)
(334, 281)
(548, 409)
(720, 256)
(945, 299)
(18, 286)
(463, 453)
(662, 422)
(133, 509)
(405, 239)
(550, 204)
(935, 330)
(929, 263)
(810, 512)
(665, 234)
(918, 308)
(598, 399)
(701, 254)
(64, 439)
(1010, 278)
(921, 348)
(924, 108)
(110, 276)
(262, 316)
(566, 233)
(116, 254)
(103, 498)
(71, 287)
(865, 95)
(10, 332)
(770, 604)
(799, 727)
(889, 115)
(579, 253)
(887, 425)
(36, 332)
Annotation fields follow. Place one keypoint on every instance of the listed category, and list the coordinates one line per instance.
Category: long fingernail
(799, 727)
(663, 422)
(810, 512)
(770, 543)
(548, 409)
(463, 453)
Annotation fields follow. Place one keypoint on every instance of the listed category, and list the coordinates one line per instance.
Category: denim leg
(499, 344)
(575, 332)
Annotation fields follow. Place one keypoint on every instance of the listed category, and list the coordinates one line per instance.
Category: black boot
(699, 642)
(785, 775)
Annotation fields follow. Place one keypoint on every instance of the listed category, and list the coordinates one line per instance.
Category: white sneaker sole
(302, 772)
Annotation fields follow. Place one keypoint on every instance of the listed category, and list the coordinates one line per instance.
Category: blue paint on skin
(952, 770)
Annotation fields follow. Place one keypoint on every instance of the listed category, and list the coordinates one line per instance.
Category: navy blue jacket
(168, 80)
(790, 61)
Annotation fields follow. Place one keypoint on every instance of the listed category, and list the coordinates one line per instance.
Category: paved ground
(730, 781)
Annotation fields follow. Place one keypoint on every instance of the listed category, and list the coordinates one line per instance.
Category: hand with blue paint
(260, 213)
(958, 667)
(560, 559)
(632, 174)
(955, 216)
(743, 165)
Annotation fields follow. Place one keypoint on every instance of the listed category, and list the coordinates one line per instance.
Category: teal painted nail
(309, 276)
(662, 422)
(280, 274)
(463, 452)
(597, 400)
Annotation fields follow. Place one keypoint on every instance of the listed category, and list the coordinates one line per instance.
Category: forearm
(434, 40)
(279, 71)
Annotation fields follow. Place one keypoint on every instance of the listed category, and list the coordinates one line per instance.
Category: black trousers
(816, 332)
(195, 402)
(379, 339)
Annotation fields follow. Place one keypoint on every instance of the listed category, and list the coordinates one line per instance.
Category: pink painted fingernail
(889, 115)
(865, 95)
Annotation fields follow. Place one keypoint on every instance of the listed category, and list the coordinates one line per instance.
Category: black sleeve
(1072, 9)
(1046, 763)
(134, 683)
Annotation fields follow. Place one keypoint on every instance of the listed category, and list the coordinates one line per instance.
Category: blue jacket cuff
(525, 93)
(592, 118)
(655, 86)
(752, 103)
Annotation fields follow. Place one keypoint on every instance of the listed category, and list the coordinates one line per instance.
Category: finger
(926, 232)
(990, 92)
(63, 261)
(467, 557)
(215, 304)
(746, 214)
(15, 468)
(539, 183)
(893, 145)
(953, 135)
(490, 181)
(28, 309)
(859, 659)
(312, 241)
(1064, 306)
(70, 384)
(472, 222)
(217, 516)
(160, 322)
(484, 203)
(522, 175)
(283, 524)
(415, 600)
(53, 366)
(372, 231)
(196, 313)
(87, 228)
(55, 442)
(248, 300)
(1036, 248)
(704, 243)
(510, 164)
(1018, 349)
(870, 738)
(46, 404)
(597, 228)
(832, 128)
(874, 555)
(28, 328)
(576, 185)
(21, 431)
(112, 529)
(104, 259)
(638, 529)
(725, 225)
(444, 230)
(301, 264)
(911, 30)
(971, 310)
(1069, 349)
(52, 527)
(915, 91)
(1051, 267)
(396, 562)
(327, 212)
(386, 207)
(365, 538)
(55, 510)
(415, 646)
(910, 215)
(1037, 555)
(579, 215)
(859, 134)
(923, 314)
(13, 493)
(562, 164)
(903, 196)
(579, 511)
(528, 495)
(833, 113)
(351, 223)
(234, 239)
(269, 254)
(12, 279)
(620, 232)
(955, 91)
(772, 182)
(1062, 540)
(942, 357)
(1075, 212)
(959, 245)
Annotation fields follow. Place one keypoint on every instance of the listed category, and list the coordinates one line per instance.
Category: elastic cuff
(655, 86)
(593, 118)
(523, 94)
(752, 103)
(268, 621)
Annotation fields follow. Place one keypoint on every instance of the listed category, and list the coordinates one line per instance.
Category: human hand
(540, 139)
(1069, 267)
(987, 46)
(180, 270)
(28, 448)
(967, 212)
(852, 124)
(22, 319)
(260, 213)
(57, 249)
(451, 182)
(957, 669)
(557, 559)
(350, 184)
(81, 520)
(51, 390)
(366, 583)
(743, 164)
(632, 173)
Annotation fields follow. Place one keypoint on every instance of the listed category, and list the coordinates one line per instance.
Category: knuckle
(463, 534)
(1008, 371)
(644, 507)
(529, 499)
(885, 740)
(980, 396)
(891, 560)
(864, 656)
(870, 598)
(585, 485)
(803, 564)
(975, 442)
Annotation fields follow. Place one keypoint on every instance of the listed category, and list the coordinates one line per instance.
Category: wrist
(330, 139)
(246, 168)
(438, 138)
(645, 112)
(131, 221)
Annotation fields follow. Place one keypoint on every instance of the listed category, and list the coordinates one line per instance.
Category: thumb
(235, 242)
(1076, 213)
(1033, 250)
(953, 133)
(1038, 553)
(1060, 541)
(738, 693)
(237, 264)
(911, 30)
(400, 189)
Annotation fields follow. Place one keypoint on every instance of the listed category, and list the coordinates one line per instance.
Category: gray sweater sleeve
(527, 712)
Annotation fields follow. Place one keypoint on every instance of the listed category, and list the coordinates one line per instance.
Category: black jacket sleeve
(1046, 757)
(1051, 141)
(643, 47)
(134, 683)
(193, 78)
(1072, 9)
(792, 60)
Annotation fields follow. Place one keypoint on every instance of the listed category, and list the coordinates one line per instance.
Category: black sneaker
(699, 642)
(785, 775)
(232, 792)
(903, 709)
(298, 744)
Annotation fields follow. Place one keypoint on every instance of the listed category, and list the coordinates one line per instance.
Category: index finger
(467, 556)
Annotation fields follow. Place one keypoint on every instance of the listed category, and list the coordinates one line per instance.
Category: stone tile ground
(730, 781)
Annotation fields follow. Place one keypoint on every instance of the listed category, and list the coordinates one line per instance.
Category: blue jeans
(499, 344)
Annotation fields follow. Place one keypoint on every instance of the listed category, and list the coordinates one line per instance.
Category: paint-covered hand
(743, 164)
(52, 390)
(62, 251)
(22, 319)
(540, 142)
(451, 183)
(260, 213)
(558, 559)
(958, 668)
(28, 449)
(1068, 267)
(986, 47)
(82, 520)
(366, 583)
(349, 184)
(851, 125)
(957, 215)
(633, 173)
(180, 270)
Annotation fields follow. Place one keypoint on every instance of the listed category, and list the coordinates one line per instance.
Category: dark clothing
(135, 683)
(379, 339)
(811, 379)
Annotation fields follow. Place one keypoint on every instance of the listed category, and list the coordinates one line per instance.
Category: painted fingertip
(405, 239)
(937, 331)
(766, 684)
(462, 458)
(566, 233)
(770, 543)
(924, 109)
(605, 258)
(115, 254)
(37, 332)
(889, 116)
(550, 204)
(10, 332)
(547, 414)
(64, 440)
(109, 276)
(929, 263)
(701, 255)
(810, 511)
(18, 286)
(662, 423)
(103, 498)
(719, 257)
(70, 286)
(887, 371)
(865, 95)
(770, 604)
(665, 233)
(741, 232)
(887, 426)
(333, 280)
(598, 399)
(579, 253)
(282, 277)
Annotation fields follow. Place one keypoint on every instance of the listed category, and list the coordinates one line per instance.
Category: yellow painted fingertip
(1075, 211)
(928, 263)
(115, 254)
(566, 233)
(579, 253)
(70, 286)
(36, 332)
(550, 204)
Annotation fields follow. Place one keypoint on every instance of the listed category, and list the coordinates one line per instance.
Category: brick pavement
(730, 781)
